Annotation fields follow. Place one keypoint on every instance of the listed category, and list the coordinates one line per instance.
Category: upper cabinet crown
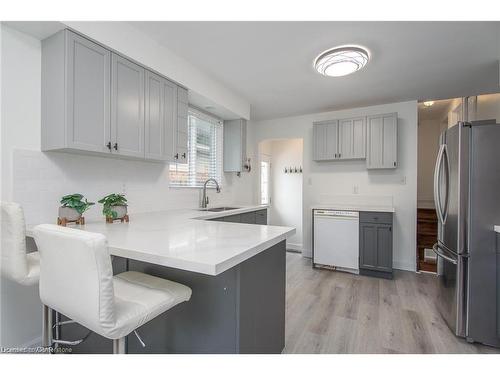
(95, 100)
(373, 138)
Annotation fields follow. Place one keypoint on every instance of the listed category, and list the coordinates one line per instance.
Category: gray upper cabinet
(127, 107)
(97, 101)
(234, 145)
(382, 142)
(181, 130)
(160, 117)
(325, 140)
(352, 138)
(75, 94)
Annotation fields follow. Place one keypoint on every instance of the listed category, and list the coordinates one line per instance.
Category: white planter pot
(121, 211)
(68, 213)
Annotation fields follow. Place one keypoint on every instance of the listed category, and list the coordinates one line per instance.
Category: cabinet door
(181, 139)
(325, 140)
(248, 218)
(352, 138)
(384, 247)
(319, 141)
(127, 107)
(232, 219)
(332, 140)
(154, 130)
(234, 145)
(261, 217)
(160, 117)
(368, 246)
(88, 94)
(382, 141)
(170, 118)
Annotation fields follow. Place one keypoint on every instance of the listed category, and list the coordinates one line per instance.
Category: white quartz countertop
(353, 207)
(186, 240)
(497, 228)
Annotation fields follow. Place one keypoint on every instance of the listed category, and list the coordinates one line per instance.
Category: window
(204, 158)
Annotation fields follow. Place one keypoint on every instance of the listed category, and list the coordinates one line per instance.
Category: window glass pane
(204, 159)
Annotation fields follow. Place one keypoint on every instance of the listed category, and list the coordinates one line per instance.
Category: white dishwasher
(336, 240)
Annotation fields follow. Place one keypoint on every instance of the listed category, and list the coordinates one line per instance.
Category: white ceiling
(270, 63)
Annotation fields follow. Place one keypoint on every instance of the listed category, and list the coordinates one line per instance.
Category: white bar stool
(76, 279)
(16, 264)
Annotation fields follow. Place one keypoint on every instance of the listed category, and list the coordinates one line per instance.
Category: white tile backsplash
(40, 179)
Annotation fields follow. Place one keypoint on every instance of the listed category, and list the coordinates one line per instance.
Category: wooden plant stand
(62, 221)
(123, 219)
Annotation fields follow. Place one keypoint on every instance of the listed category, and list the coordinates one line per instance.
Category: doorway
(280, 185)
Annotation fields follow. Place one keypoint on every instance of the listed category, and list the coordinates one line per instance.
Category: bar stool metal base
(46, 326)
(119, 346)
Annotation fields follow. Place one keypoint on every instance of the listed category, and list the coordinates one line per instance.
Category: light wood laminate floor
(335, 312)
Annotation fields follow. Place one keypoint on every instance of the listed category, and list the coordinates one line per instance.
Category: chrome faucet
(204, 199)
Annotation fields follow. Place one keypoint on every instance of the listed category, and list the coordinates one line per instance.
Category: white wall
(488, 107)
(133, 43)
(338, 178)
(428, 146)
(37, 180)
(286, 188)
(20, 310)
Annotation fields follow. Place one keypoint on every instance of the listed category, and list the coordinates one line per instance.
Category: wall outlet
(355, 189)
(310, 181)
(403, 180)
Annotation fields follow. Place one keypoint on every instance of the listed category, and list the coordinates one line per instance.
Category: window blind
(204, 158)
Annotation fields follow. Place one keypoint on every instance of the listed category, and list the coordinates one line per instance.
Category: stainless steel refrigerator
(467, 199)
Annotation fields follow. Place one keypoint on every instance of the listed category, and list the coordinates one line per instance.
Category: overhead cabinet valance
(95, 100)
(373, 138)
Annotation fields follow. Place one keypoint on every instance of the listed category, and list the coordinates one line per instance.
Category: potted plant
(72, 208)
(114, 206)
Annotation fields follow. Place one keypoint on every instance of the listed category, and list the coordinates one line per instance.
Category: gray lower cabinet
(382, 146)
(375, 244)
(253, 217)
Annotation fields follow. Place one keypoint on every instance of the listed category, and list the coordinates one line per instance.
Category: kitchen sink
(219, 209)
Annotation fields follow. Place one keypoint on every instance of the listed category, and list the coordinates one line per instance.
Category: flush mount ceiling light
(429, 103)
(341, 61)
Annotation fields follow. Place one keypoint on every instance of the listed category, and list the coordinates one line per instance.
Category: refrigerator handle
(437, 176)
(440, 253)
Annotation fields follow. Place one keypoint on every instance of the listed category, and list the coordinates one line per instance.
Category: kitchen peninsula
(235, 270)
